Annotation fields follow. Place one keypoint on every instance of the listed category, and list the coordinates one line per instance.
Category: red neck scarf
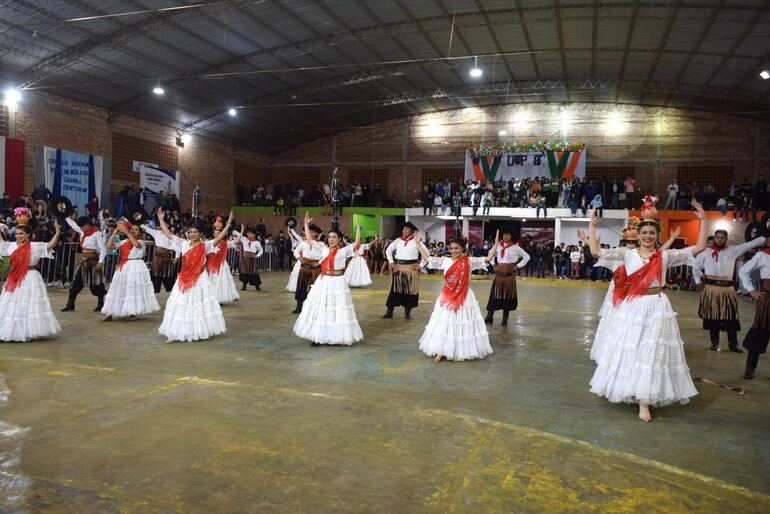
(87, 233)
(192, 266)
(327, 265)
(457, 278)
(715, 251)
(19, 264)
(766, 249)
(503, 246)
(124, 250)
(215, 260)
(637, 283)
(406, 239)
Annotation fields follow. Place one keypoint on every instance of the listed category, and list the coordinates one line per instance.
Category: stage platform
(106, 418)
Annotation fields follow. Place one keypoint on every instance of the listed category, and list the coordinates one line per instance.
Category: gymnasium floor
(106, 418)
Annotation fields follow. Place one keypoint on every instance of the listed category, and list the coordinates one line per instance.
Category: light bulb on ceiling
(765, 74)
(12, 96)
(158, 90)
(185, 138)
(502, 132)
(232, 111)
(476, 71)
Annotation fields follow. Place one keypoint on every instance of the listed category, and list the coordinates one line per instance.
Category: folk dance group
(637, 347)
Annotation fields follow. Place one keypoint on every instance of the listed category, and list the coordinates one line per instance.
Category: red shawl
(457, 280)
(19, 264)
(87, 233)
(215, 260)
(637, 283)
(192, 266)
(327, 265)
(124, 250)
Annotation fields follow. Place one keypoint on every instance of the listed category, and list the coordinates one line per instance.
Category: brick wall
(56, 121)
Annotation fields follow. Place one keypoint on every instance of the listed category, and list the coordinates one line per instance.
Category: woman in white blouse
(456, 330)
(328, 316)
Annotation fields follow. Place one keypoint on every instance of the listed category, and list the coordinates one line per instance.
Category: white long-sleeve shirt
(161, 241)
(249, 245)
(405, 250)
(724, 264)
(312, 252)
(94, 242)
(514, 254)
(760, 262)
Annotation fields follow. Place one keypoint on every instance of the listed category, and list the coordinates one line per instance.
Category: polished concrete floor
(106, 418)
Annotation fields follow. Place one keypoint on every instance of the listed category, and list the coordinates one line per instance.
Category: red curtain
(14, 167)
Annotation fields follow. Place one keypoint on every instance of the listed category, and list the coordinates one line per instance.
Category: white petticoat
(26, 312)
(641, 354)
(458, 336)
(606, 311)
(357, 274)
(194, 314)
(328, 316)
(291, 286)
(131, 292)
(607, 304)
(223, 285)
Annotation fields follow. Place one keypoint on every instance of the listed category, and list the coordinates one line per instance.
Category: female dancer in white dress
(642, 360)
(328, 316)
(456, 330)
(357, 273)
(192, 311)
(25, 312)
(296, 240)
(131, 293)
(222, 282)
(630, 240)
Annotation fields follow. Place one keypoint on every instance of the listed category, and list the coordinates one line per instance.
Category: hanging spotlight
(502, 132)
(158, 90)
(185, 138)
(12, 97)
(765, 74)
(232, 111)
(476, 71)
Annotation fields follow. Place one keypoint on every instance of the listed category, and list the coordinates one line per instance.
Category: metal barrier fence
(60, 270)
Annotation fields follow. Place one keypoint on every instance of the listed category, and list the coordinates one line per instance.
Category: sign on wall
(74, 177)
(527, 164)
(154, 181)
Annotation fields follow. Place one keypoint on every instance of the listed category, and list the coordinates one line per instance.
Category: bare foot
(644, 413)
(438, 358)
(107, 318)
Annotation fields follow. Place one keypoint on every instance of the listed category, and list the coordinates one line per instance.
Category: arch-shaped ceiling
(300, 69)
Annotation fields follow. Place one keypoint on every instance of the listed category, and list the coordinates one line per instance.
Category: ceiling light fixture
(12, 97)
(502, 132)
(765, 74)
(232, 111)
(186, 138)
(476, 71)
(158, 90)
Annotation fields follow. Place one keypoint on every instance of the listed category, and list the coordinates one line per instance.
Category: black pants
(752, 360)
(166, 282)
(77, 286)
(732, 337)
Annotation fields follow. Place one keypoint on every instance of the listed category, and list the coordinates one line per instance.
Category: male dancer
(759, 334)
(502, 294)
(403, 254)
(163, 267)
(90, 271)
(310, 267)
(251, 251)
(718, 301)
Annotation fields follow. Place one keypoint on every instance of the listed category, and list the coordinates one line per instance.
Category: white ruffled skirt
(641, 355)
(328, 316)
(357, 274)
(194, 314)
(223, 285)
(606, 311)
(26, 312)
(458, 336)
(131, 292)
(291, 286)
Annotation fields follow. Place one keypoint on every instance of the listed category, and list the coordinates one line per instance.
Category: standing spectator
(92, 208)
(615, 191)
(42, 196)
(122, 200)
(629, 187)
(597, 204)
(438, 203)
(488, 202)
(427, 201)
(673, 193)
(540, 203)
(240, 192)
(260, 228)
(574, 259)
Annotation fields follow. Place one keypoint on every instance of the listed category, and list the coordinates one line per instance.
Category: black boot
(505, 319)
(490, 318)
(734, 348)
(714, 347)
(70, 305)
(748, 374)
(99, 304)
(388, 314)
(298, 308)
(407, 313)
(244, 287)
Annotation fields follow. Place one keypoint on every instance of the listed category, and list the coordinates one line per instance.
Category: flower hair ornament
(22, 215)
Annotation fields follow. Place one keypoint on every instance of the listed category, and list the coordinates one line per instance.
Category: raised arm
(420, 246)
(671, 238)
(55, 239)
(357, 242)
(702, 236)
(493, 251)
(308, 221)
(73, 225)
(593, 241)
(163, 226)
(111, 241)
(226, 230)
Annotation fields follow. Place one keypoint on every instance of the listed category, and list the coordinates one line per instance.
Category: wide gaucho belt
(407, 261)
(716, 282)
